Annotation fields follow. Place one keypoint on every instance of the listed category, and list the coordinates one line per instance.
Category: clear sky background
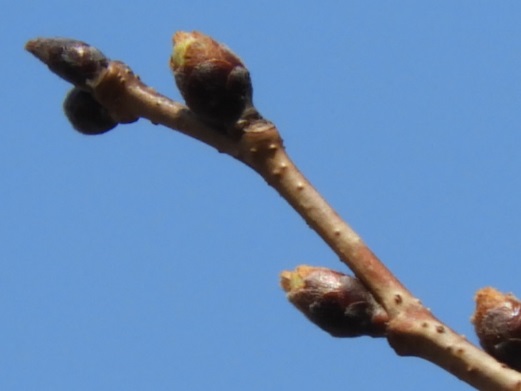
(144, 260)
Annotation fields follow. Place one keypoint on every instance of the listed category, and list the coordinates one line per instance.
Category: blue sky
(144, 260)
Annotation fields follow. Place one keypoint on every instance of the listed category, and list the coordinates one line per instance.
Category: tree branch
(411, 329)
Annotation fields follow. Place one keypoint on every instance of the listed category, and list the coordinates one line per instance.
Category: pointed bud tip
(31, 46)
(182, 41)
(75, 61)
(294, 280)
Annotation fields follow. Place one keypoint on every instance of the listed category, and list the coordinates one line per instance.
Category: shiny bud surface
(75, 61)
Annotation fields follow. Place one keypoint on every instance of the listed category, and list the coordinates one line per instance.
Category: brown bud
(337, 303)
(74, 61)
(212, 79)
(85, 114)
(497, 322)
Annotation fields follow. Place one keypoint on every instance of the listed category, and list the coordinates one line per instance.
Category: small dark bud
(497, 322)
(212, 79)
(74, 61)
(85, 114)
(337, 303)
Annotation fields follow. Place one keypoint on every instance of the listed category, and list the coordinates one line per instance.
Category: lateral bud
(337, 303)
(72, 60)
(86, 114)
(213, 81)
(497, 322)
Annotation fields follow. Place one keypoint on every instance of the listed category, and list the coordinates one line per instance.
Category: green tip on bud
(337, 303)
(497, 322)
(212, 79)
(72, 60)
(85, 114)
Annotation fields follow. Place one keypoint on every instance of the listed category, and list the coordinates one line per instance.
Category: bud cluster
(80, 64)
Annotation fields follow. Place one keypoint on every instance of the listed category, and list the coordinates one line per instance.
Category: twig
(411, 330)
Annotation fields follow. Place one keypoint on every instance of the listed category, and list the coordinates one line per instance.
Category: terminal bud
(75, 61)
